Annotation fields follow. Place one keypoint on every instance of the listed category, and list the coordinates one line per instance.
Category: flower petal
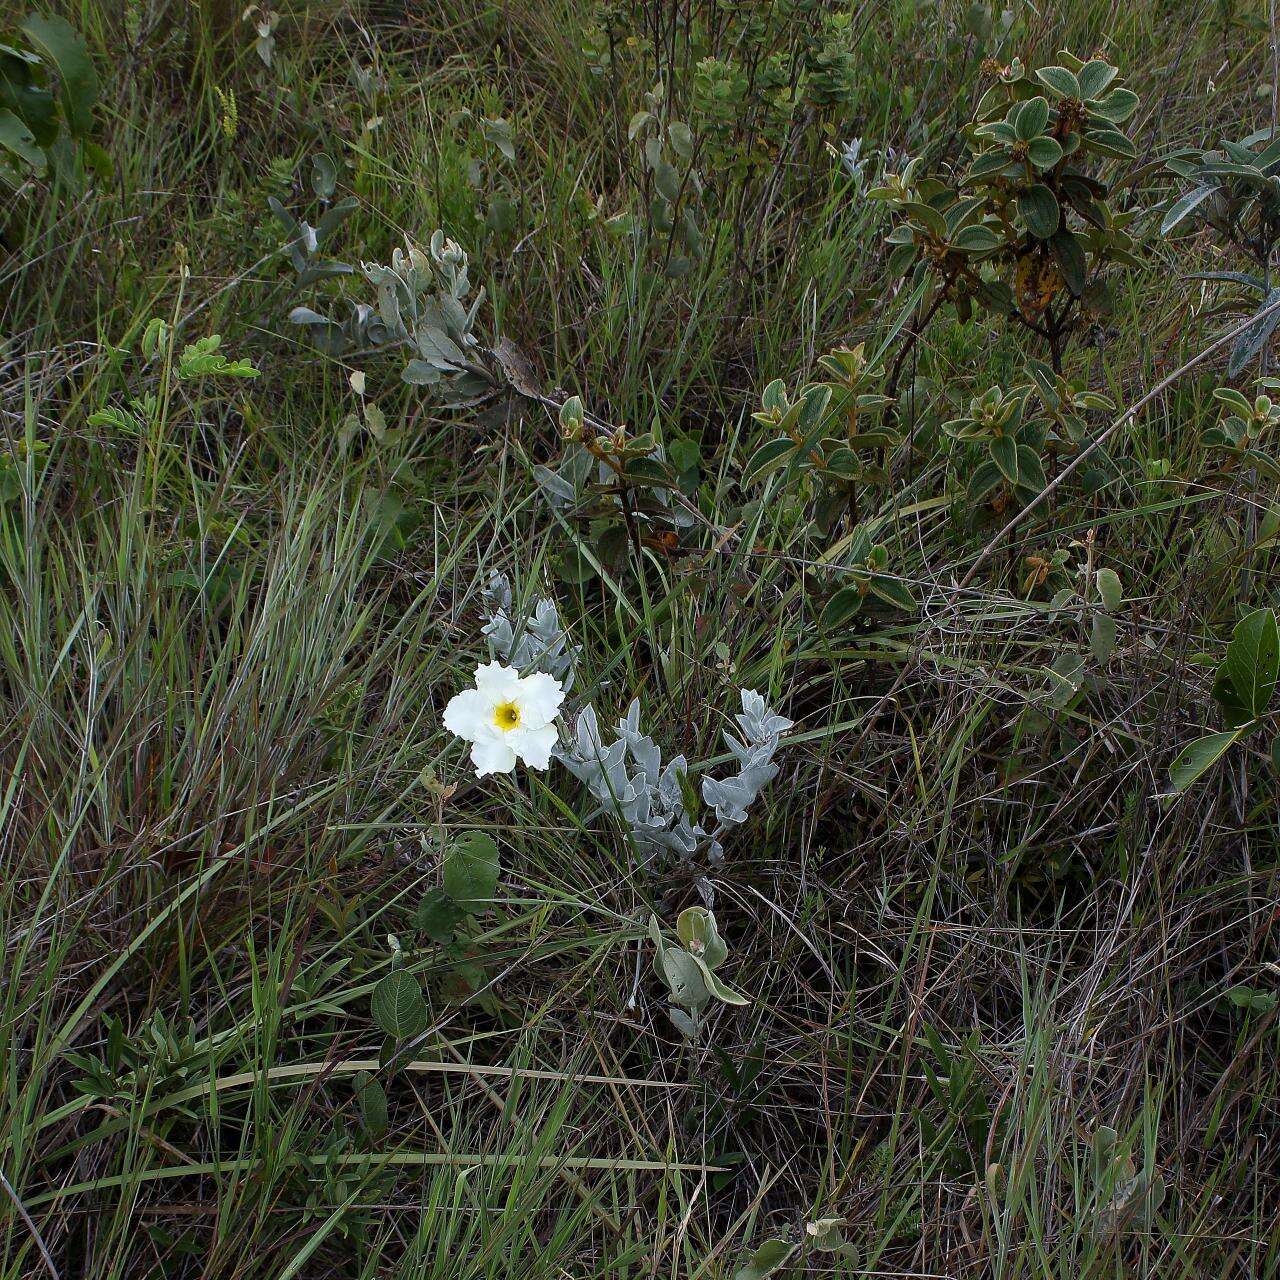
(539, 700)
(533, 746)
(498, 683)
(469, 714)
(492, 755)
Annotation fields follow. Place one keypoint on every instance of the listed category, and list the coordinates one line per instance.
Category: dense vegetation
(852, 424)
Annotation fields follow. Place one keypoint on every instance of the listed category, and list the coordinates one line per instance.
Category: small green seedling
(1124, 1196)
(689, 970)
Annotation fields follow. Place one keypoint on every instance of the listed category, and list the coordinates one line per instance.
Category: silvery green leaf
(436, 347)
(644, 750)
(554, 485)
(729, 798)
(498, 133)
(696, 929)
(685, 978)
(334, 217)
(289, 222)
(389, 303)
(322, 269)
(304, 315)
(757, 720)
(669, 783)
(324, 175)
(683, 1023)
(420, 374)
(722, 992)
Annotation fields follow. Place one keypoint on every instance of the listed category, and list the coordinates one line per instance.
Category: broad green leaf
(1102, 637)
(1044, 153)
(768, 457)
(1030, 469)
(78, 80)
(975, 239)
(397, 1005)
(1039, 209)
(1030, 118)
(1004, 453)
(438, 915)
(892, 591)
(1060, 80)
(1094, 77)
(1117, 106)
(845, 604)
(684, 453)
(1235, 712)
(1252, 662)
(1109, 589)
(765, 1260)
(1111, 142)
(986, 476)
(1070, 258)
(1201, 755)
(1252, 999)
(813, 404)
(471, 871)
(17, 139)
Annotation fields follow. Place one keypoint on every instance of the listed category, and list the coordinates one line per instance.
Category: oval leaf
(765, 1260)
(1109, 589)
(842, 606)
(1060, 80)
(1201, 755)
(372, 1101)
(1039, 210)
(471, 871)
(1253, 660)
(397, 1005)
(1004, 453)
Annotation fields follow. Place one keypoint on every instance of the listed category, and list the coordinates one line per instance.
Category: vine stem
(1098, 441)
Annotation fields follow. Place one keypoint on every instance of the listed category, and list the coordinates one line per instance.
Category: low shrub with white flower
(510, 718)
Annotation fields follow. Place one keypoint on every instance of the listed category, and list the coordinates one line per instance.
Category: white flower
(506, 717)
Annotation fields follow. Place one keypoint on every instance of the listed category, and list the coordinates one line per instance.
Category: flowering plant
(506, 717)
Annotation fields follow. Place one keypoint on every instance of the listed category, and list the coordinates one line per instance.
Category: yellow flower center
(506, 715)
